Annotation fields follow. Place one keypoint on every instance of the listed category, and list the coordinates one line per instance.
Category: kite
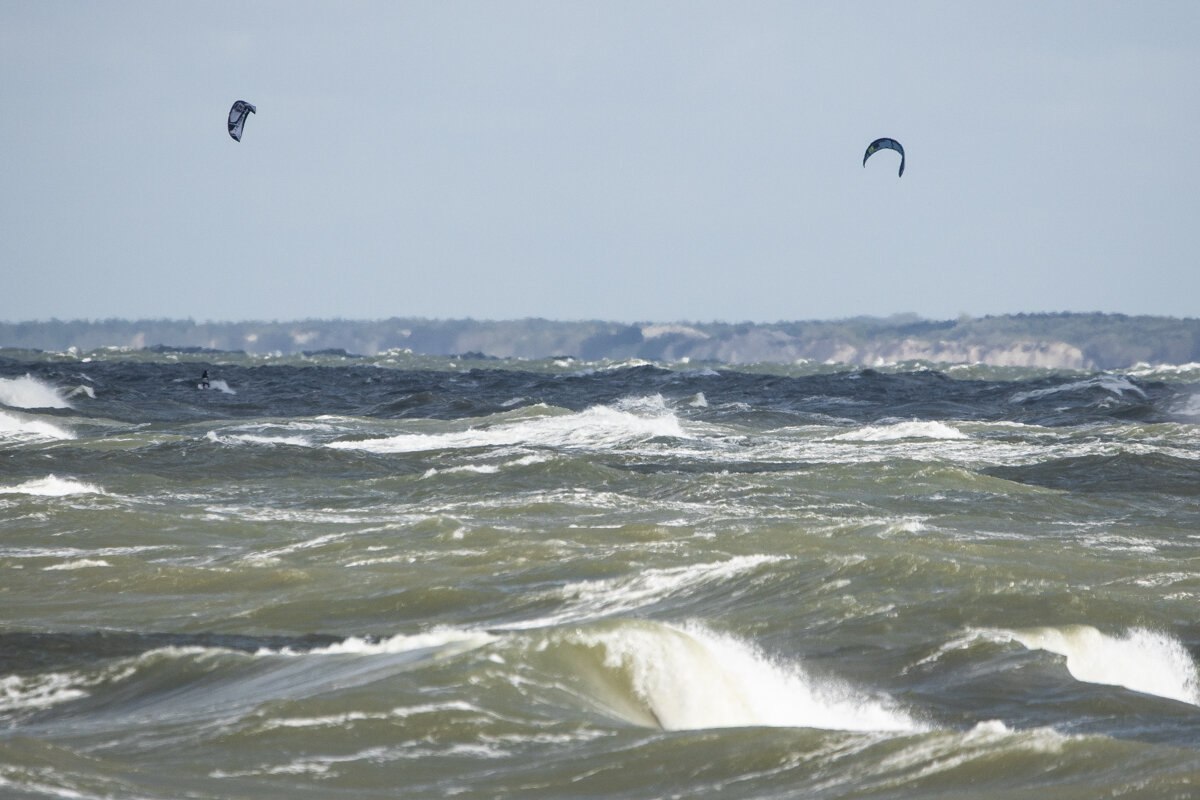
(237, 118)
(885, 144)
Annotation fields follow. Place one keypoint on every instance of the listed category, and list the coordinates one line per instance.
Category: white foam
(22, 429)
(252, 438)
(693, 678)
(341, 720)
(1143, 660)
(450, 640)
(478, 469)
(74, 552)
(630, 363)
(83, 563)
(37, 691)
(220, 386)
(1144, 370)
(903, 430)
(29, 392)
(52, 486)
(600, 598)
(925, 756)
(597, 427)
(1187, 406)
(82, 389)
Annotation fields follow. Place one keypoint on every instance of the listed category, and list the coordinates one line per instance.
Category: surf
(598, 427)
(690, 677)
(30, 392)
(1139, 659)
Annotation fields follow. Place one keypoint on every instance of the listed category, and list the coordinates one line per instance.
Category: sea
(401, 576)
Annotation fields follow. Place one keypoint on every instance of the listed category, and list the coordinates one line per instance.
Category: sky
(623, 160)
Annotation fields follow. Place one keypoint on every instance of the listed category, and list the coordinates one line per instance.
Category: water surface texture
(422, 577)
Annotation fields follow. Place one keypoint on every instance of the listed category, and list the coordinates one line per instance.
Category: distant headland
(1055, 340)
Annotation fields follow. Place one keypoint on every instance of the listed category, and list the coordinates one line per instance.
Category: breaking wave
(29, 392)
(597, 427)
(690, 677)
(1141, 660)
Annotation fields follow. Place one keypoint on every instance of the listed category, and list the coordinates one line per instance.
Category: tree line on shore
(1068, 340)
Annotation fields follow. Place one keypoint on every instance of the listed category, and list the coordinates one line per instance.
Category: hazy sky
(630, 161)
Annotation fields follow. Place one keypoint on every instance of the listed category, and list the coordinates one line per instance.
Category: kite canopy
(885, 144)
(237, 118)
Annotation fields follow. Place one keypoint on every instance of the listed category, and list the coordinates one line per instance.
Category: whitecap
(30, 392)
(1144, 370)
(52, 486)
(83, 389)
(445, 640)
(20, 693)
(24, 429)
(597, 427)
(83, 563)
(1142, 660)
(252, 438)
(902, 430)
(691, 678)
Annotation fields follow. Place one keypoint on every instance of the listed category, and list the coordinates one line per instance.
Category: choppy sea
(396, 576)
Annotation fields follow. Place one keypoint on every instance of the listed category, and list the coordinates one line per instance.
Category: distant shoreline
(1055, 340)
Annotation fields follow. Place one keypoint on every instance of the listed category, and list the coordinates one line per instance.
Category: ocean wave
(589, 600)
(1141, 660)
(20, 429)
(350, 717)
(1117, 385)
(31, 692)
(253, 438)
(52, 486)
(446, 640)
(1190, 371)
(30, 392)
(598, 427)
(902, 430)
(690, 677)
(485, 469)
(83, 563)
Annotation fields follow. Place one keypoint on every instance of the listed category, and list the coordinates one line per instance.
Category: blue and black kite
(885, 144)
(237, 118)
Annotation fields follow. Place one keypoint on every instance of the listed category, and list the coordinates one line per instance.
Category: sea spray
(1142, 660)
(30, 392)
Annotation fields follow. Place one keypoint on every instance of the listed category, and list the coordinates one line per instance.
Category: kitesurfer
(204, 380)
